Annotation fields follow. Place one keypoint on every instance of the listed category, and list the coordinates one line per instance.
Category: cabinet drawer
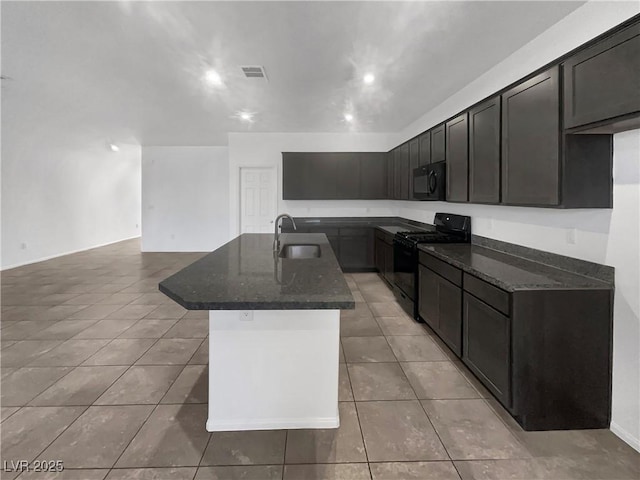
(453, 274)
(493, 296)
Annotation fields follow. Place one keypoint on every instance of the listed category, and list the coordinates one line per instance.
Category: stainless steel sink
(299, 251)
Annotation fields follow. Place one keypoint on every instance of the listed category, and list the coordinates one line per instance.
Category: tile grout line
(420, 402)
(355, 406)
(284, 456)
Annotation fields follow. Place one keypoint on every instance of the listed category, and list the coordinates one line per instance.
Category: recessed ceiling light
(246, 116)
(348, 117)
(113, 147)
(213, 78)
(369, 78)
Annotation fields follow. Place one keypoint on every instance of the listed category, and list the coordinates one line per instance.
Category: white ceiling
(135, 69)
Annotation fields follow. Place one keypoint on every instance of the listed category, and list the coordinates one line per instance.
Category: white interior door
(257, 199)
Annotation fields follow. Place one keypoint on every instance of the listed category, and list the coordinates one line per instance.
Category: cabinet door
(437, 144)
(347, 175)
(603, 81)
(424, 149)
(373, 176)
(428, 297)
(450, 312)
(457, 153)
(487, 346)
(357, 249)
(414, 154)
(397, 174)
(353, 252)
(404, 172)
(320, 176)
(531, 141)
(293, 177)
(388, 262)
(379, 255)
(334, 241)
(484, 152)
(390, 175)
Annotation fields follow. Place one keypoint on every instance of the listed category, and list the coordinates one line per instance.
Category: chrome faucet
(276, 238)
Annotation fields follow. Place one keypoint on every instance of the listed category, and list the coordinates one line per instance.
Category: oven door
(404, 268)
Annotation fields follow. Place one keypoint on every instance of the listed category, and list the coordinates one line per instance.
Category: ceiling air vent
(254, 71)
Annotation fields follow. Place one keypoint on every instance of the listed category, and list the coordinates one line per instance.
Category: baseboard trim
(625, 436)
(71, 252)
(272, 424)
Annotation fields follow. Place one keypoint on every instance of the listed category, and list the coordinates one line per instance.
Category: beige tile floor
(101, 371)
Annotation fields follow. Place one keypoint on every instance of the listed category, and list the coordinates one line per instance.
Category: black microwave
(429, 181)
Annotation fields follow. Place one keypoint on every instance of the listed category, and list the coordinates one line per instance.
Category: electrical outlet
(490, 224)
(571, 236)
(23, 246)
(246, 315)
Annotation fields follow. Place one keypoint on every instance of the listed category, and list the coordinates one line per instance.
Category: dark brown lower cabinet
(388, 263)
(440, 306)
(544, 354)
(487, 346)
(384, 256)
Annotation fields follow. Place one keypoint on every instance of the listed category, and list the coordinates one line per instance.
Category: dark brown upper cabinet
(347, 175)
(437, 144)
(531, 141)
(397, 175)
(414, 162)
(372, 176)
(457, 153)
(414, 154)
(424, 148)
(390, 174)
(334, 175)
(484, 152)
(540, 165)
(603, 83)
(402, 172)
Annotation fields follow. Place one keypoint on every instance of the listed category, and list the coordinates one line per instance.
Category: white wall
(265, 149)
(185, 198)
(63, 192)
(603, 236)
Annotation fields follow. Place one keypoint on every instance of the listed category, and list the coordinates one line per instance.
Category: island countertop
(244, 274)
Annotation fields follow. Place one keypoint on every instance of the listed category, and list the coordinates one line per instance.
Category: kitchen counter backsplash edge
(597, 271)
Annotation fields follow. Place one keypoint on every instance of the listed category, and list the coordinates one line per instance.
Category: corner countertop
(510, 272)
(244, 274)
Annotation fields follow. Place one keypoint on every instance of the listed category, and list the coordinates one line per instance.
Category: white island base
(273, 369)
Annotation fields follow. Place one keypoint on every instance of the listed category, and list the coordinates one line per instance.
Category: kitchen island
(274, 328)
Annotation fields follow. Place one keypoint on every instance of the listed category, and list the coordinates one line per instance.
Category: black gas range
(447, 228)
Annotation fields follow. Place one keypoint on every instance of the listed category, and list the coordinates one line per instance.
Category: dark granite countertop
(510, 272)
(393, 229)
(388, 224)
(244, 275)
